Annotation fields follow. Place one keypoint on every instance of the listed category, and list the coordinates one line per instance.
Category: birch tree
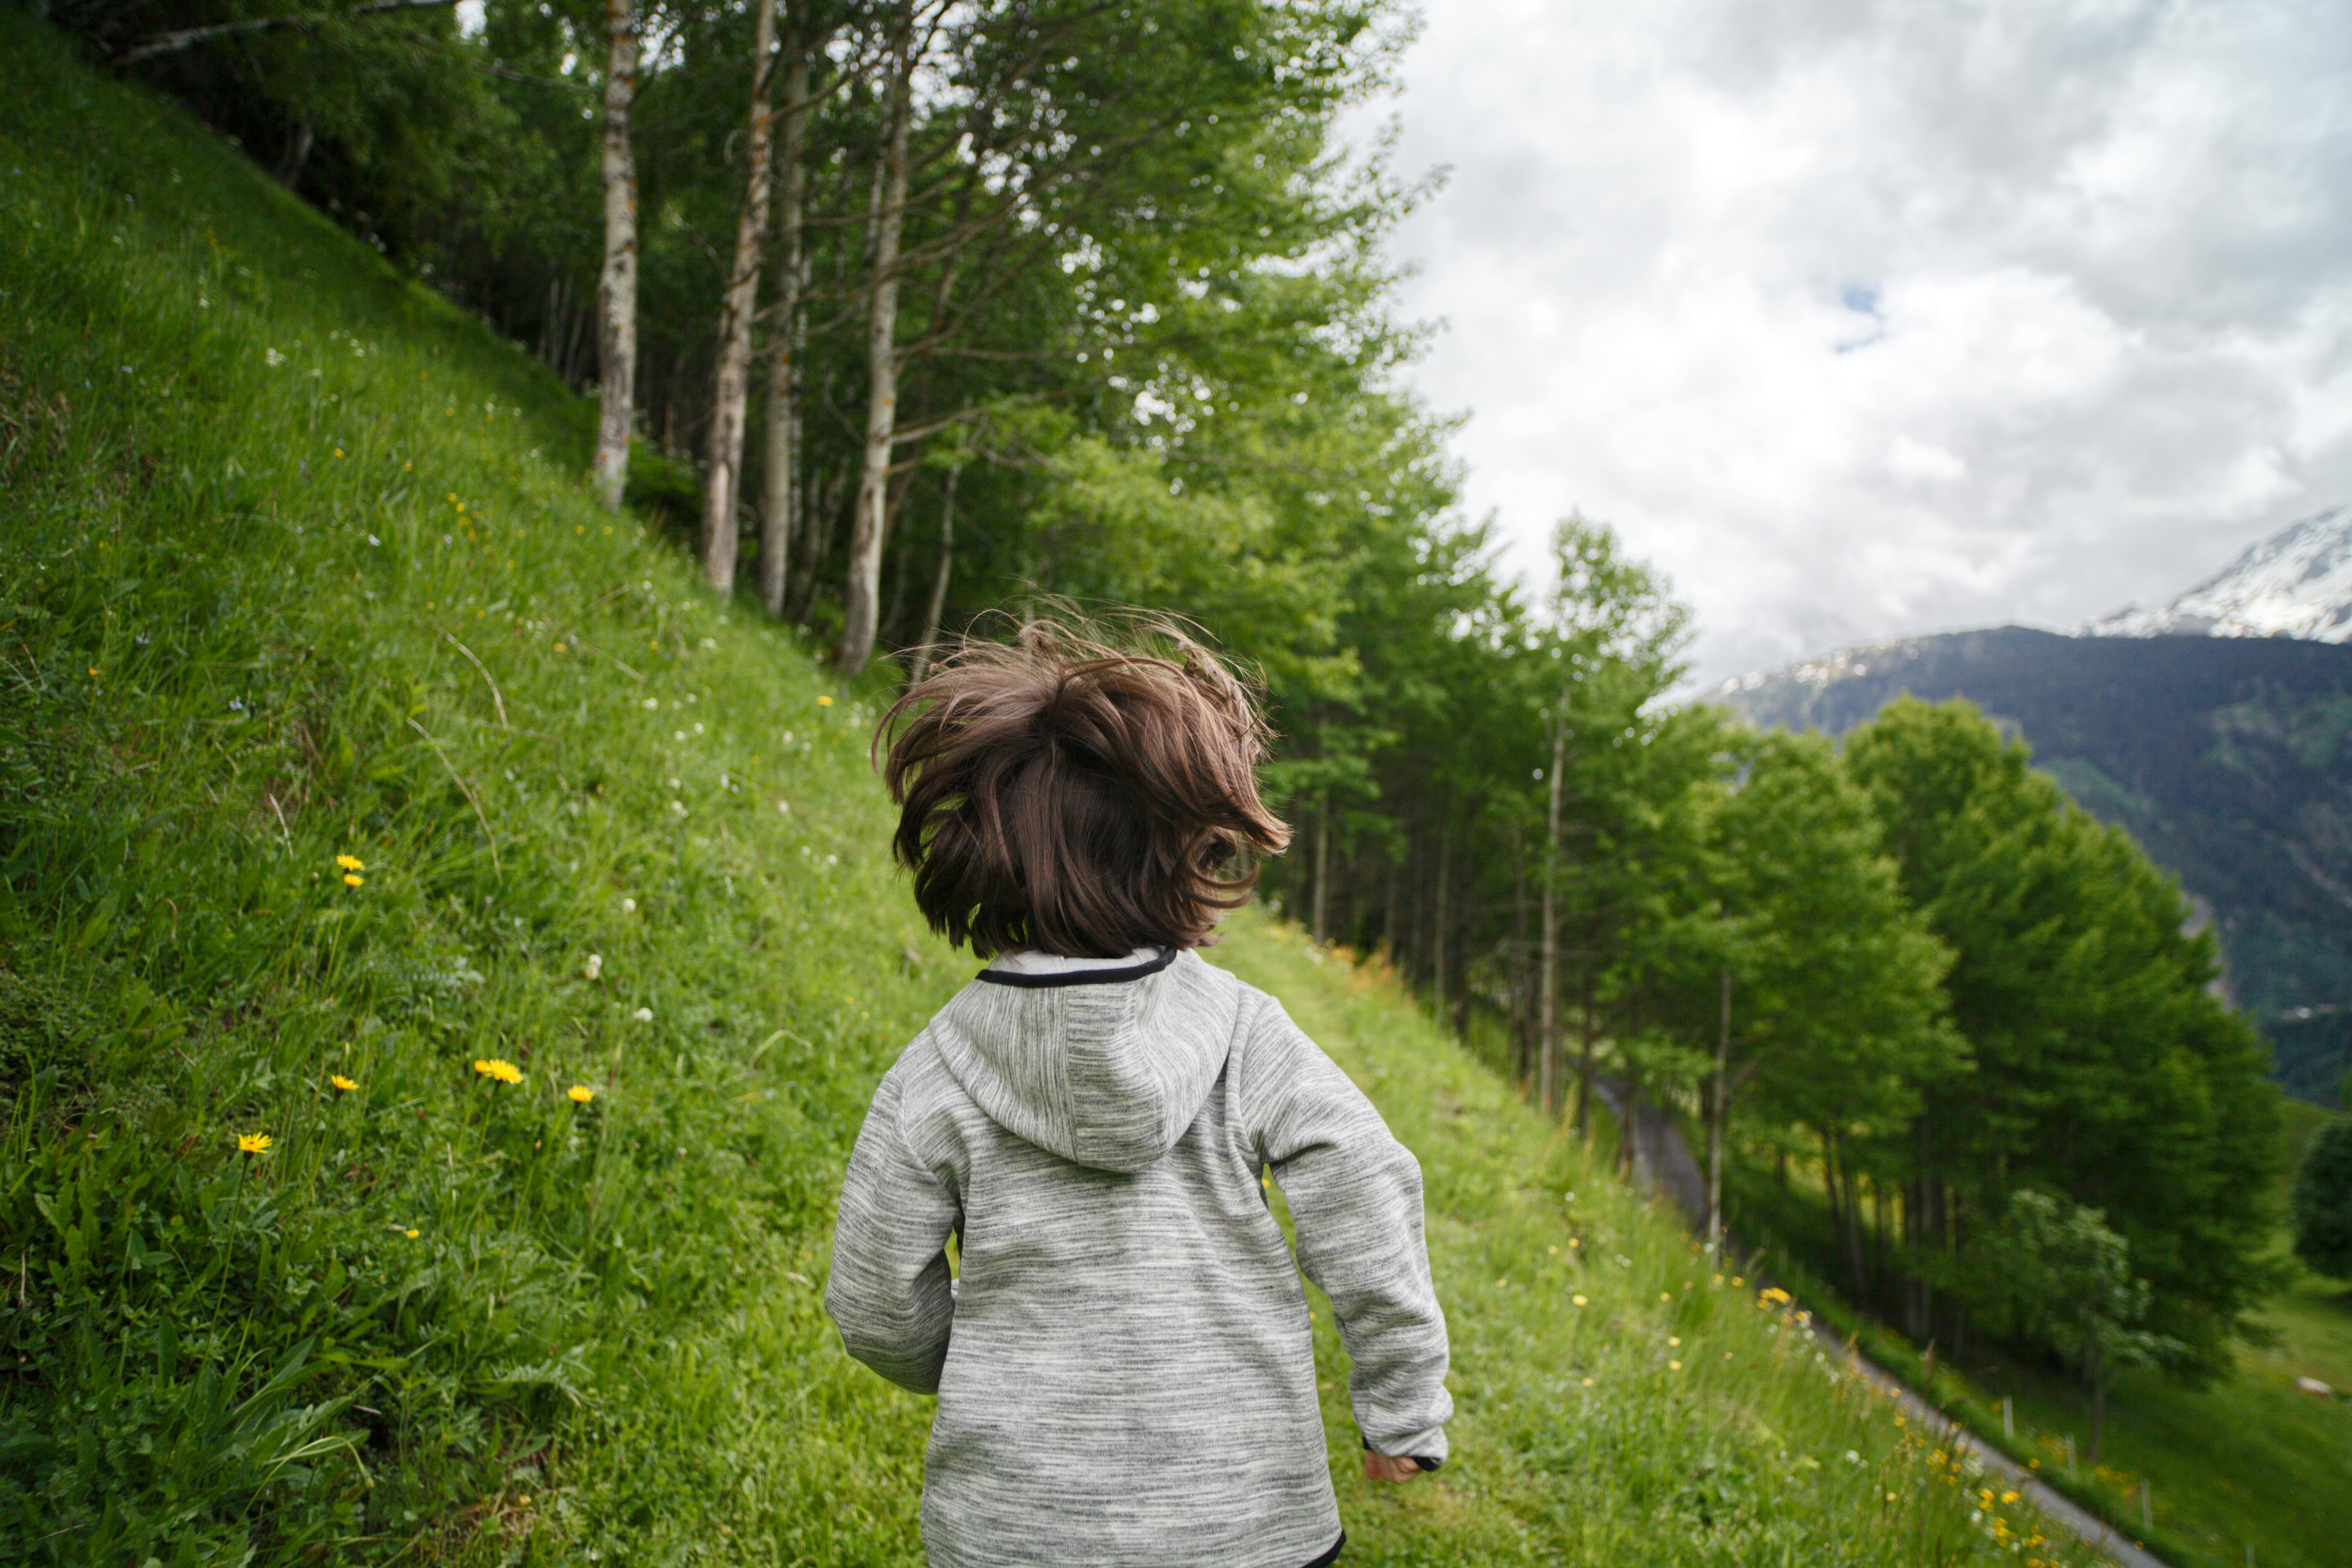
(862, 594)
(617, 284)
(731, 380)
(780, 490)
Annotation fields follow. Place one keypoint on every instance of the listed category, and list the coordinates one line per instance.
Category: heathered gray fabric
(1125, 1369)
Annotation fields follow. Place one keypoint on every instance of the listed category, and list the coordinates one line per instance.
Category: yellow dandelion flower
(498, 1068)
(351, 862)
(580, 1093)
(411, 1236)
(825, 702)
(1674, 1340)
(1673, 1366)
(253, 1143)
(353, 879)
(339, 451)
(1577, 1300)
(93, 670)
(339, 1082)
(2008, 1497)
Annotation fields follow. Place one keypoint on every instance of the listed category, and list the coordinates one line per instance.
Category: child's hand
(1389, 1468)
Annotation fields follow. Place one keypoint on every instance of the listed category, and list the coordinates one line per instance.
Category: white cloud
(1862, 320)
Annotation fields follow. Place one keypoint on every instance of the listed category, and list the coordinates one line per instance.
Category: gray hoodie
(1125, 1368)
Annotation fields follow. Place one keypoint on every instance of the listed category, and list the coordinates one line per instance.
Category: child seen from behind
(1125, 1366)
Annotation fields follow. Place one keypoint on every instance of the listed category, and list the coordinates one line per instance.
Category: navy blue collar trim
(1080, 976)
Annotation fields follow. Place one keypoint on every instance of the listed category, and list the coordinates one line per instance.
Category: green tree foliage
(2323, 1202)
(1829, 1010)
(2104, 1066)
(2066, 1282)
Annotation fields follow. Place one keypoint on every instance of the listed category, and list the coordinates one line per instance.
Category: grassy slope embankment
(2250, 1462)
(295, 563)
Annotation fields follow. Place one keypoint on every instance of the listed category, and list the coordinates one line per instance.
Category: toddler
(1122, 1354)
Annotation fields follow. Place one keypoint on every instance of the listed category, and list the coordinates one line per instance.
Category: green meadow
(2247, 1464)
(444, 956)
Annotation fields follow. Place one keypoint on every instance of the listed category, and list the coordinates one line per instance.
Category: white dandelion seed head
(652, 702)
(643, 1015)
(628, 906)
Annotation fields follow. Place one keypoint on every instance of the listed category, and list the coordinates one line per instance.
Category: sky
(1862, 321)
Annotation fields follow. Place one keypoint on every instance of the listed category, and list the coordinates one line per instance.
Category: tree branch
(189, 38)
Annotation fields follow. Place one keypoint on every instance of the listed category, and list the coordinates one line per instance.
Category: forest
(899, 316)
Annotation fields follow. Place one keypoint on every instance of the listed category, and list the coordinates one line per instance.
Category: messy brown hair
(1079, 791)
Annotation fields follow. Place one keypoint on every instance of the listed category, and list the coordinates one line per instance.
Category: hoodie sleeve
(890, 1292)
(1355, 1193)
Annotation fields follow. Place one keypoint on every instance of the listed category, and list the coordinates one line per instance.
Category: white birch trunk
(937, 606)
(862, 594)
(1719, 1107)
(616, 285)
(733, 379)
(1547, 984)
(780, 496)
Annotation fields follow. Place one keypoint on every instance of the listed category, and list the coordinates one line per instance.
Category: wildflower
(825, 702)
(272, 358)
(651, 704)
(411, 1236)
(1737, 1282)
(93, 670)
(1575, 1242)
(1666, 1295)
(499, 1068)
(1577, 1300)
(594, 966)
(1673, 1338)
(339, 1082)
(580, 1093)
(351, 862)
(353, 879)
(339, 451)
(1772, 1293)
(628, 906)
(643, 1015)
(253, 1143)
(1851, 1457)
(2008, 1497)
(1673, 1366)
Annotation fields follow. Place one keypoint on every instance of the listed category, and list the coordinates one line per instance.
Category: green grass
(2248, 1462)
(295, 563)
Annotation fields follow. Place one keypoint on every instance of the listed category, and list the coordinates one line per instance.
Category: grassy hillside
(444, 958)
(2250, 1463)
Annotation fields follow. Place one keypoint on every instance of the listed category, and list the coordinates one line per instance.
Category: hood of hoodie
(1104, 1073)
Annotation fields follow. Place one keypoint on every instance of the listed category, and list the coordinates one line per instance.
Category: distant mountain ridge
(2227, 757)
(2295, 584)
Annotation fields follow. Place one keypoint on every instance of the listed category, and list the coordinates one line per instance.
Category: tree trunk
(1437, 935)
(1548, 980)
(616, 285)
(937, 606)
(1321, 905)
(732, 383)
(781, 490)
(862, 591)
(1719, 1106)
(2097, 1364)
(1591, 1031)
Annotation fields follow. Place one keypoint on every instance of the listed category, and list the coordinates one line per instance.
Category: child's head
(1064, 793)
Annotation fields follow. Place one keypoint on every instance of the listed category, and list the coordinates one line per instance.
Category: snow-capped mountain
(2295, 584)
